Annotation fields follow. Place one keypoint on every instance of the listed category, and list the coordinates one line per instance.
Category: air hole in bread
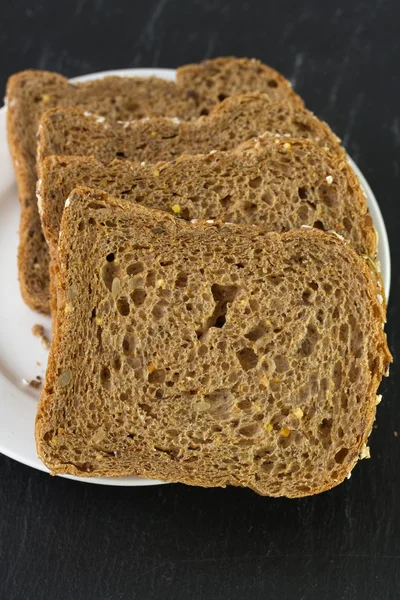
(130, 107)
(354, 374)
(249, 431)
(256, 182)
(116, 363)
(96, 205)
(138, 297)
(128, 344)
(272, 83)
(105, 377)
(319, 225)
(173, 433)
(135, 268)
(308, 296)
(157, 376)
(256, 333)
(185, 213)
(347, 224)
(268, 197)
(110, 257)
(99, 333)
(181, 280)
(244, 404)
(120, 154)
(145, 408)
(341, 455)
(324, 428)
(344, 333)
(202, 351)
(249, 207)
(160, 309)
(309, 342)
(254, 305)
(281, 363)
(303, 192)
(109, 272)
(223, 296)
(225, 200)
(356, 340)
(151, 279)
(328, 195)
(303, 212)
(285, 441)
(123, 306)
(248, 358)
(275, 279)
(337, 374)
(303, 488)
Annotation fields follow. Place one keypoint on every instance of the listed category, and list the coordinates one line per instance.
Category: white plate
(21, 353)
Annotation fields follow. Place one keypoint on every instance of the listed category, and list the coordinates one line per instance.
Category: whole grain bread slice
(30, 93)
(70, 131)
(210, 354)
(273, 182)
(74, 132)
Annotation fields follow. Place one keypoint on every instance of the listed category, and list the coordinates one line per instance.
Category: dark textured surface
(71, 541)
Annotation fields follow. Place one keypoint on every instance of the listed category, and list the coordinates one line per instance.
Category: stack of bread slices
(208, 259)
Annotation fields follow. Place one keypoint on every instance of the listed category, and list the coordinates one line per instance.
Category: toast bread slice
(210, 354)
(30, 93)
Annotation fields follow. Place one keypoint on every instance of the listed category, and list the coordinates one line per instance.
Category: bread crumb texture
(224, 355)
(257, 183)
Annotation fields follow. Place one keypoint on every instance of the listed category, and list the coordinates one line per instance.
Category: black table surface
(67, 540)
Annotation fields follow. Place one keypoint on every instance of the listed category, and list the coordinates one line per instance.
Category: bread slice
(210, 354)
(30, 93)
(211, 81)
(273, 182)
(71, 131)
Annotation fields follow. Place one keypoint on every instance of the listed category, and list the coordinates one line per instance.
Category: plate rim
(170, 74)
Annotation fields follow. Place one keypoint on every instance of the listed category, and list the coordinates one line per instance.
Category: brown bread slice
(30, 93)
(211, 81)
(70, 131)
(273, 182)
(209, 354)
